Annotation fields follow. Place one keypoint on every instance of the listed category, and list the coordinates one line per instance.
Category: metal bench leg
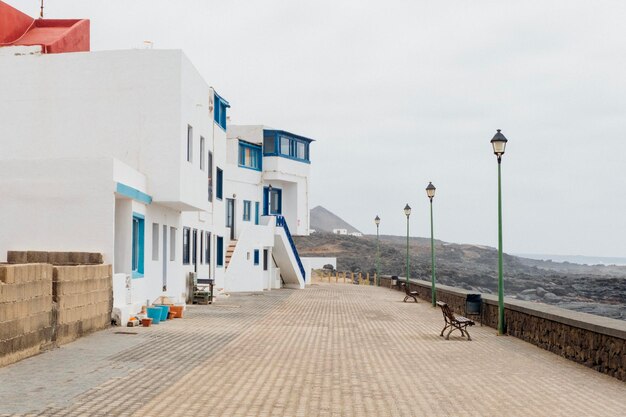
(448, 335)
(469, 338)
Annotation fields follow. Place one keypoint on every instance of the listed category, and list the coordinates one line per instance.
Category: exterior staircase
(230, 251)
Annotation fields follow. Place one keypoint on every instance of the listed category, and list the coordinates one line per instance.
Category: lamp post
(377, 221)
(430, 192)
(407, 211)
(499, 144)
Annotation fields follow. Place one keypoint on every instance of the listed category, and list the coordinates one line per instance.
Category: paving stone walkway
(328, 350)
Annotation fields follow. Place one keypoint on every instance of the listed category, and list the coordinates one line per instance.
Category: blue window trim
(257, 154)
(219, 110)
(138, 272)
(133, 193)
(256, 212)
(256, 256)
(219, 251)
(293, 141)
(219, 183)
(266, 207)
(247, 208)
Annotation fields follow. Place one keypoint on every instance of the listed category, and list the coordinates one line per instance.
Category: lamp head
(430, 190)
(499, 144)
(377, 220)
(407, 210)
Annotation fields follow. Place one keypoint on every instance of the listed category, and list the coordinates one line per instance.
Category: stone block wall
(44, 305)
(84, 298)
(26, 310)
(594, 341)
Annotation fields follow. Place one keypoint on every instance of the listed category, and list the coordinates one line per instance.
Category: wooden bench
(454, 322)
(409, 293)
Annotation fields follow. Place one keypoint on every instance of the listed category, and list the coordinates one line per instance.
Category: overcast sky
(399, 93)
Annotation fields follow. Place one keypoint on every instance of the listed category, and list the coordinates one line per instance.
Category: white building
(268, 176)
(340, 231)
(125, 153)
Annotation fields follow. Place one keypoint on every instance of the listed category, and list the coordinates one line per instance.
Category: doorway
(230, 216)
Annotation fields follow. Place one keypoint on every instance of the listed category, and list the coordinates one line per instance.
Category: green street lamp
(407, 211)
(430, 192)
(377, 221)
(499, 144)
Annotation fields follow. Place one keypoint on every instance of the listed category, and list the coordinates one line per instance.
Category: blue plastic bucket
(155, 314)
(164, 311)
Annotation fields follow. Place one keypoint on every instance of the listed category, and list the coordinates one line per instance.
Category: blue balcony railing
(281, 222)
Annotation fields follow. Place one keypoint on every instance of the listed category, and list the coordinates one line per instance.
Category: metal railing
(281, 222)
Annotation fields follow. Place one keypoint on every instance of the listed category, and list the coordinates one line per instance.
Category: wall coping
(598, 324)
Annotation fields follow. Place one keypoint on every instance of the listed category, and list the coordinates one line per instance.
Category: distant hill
(595, 289)
(323, 220)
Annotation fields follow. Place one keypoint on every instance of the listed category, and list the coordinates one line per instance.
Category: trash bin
(473, 306)
(394, 280)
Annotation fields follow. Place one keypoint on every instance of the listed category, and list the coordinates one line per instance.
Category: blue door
(272, 201)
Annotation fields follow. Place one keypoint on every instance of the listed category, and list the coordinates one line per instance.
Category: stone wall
(594, 341)
(84, 298)
(44, 305)
(26, 310)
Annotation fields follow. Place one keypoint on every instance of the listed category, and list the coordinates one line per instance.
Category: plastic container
(155, 314)
(178, 311)
(164, 311)
(146, 322)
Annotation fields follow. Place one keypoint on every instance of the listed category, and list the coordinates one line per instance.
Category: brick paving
(328, 350)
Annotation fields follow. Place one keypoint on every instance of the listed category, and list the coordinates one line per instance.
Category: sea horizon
(577, 259)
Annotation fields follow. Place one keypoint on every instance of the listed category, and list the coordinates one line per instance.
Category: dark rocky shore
(594, 289)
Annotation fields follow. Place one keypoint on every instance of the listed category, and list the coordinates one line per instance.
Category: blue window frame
(256, 212)
(256, 256)
(138, 245)
(220, 184)
(250, 156)
(219, 248)
(272, 202)
(247, 208)
(219, 111)
(286, 145)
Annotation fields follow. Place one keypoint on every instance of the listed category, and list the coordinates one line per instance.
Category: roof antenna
(41, 12)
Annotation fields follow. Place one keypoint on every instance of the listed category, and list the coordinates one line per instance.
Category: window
(247, 205)
(220, 251)
(219, 112)
(265, 259)
(155, 241)
(301, 153)
(138, 245)
(172, 243)
(201, 153)
(256, 256)
(194, 243)
(287, 145)
(269, 144)
(189, 143)
(186, 246)
(250, 156)
(256, 212)
(210, 175)
(201, 247)
(207, 247)
(219, 184)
